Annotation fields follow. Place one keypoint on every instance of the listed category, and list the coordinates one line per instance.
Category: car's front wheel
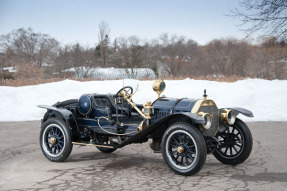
(184, 148)
(235, 144)
(55, 140)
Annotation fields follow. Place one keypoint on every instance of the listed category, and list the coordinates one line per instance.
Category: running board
(89, 144)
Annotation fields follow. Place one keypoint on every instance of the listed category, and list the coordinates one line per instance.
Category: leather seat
(108, 100)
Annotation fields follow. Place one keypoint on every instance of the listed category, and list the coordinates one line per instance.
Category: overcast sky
(71, 21)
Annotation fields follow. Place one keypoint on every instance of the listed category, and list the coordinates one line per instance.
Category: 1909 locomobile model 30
(183, 130)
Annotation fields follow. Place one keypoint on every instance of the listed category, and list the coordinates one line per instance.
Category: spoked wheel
(236, 144)
(55, 140)
(183, 149)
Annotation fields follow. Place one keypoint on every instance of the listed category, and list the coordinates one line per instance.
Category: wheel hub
(180, 149)
(230, 139)
(53, 140)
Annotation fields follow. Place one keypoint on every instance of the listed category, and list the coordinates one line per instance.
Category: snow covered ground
(266, 99)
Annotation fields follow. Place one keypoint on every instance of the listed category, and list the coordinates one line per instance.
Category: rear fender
(64, 114)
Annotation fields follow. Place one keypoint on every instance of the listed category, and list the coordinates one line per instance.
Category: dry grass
(35, 81)
(28, 81)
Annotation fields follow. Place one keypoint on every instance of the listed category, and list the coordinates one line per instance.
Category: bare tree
(82, 61)
(228, 56)
(267, 15)
(134, 54)
(104, 41)
(275, 55)
(199, 63)
(26, 46)
(218, 54)
(238, 56)
(1, 66)
(130, 52)
(63, 61)
(115, 58)
(173, 53)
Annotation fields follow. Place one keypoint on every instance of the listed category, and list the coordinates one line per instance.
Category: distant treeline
(40, 55)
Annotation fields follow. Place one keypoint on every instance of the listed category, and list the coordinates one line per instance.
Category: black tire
(55, 140)
(183, 148)
(104, 141)
(106, 150)
(236, 144)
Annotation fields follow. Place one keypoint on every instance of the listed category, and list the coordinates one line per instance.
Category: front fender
(236, 110)
(243, 111)
(64, 114)
(192, 116)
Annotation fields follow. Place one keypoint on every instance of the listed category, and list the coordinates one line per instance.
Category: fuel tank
(167, 106)
(85, 104)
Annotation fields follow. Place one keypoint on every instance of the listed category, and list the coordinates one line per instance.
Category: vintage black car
(184, 130)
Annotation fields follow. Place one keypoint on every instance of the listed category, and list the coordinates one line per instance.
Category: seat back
(108, 100)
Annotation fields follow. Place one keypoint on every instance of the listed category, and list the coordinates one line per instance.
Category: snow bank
(111, 73)
(266, 99)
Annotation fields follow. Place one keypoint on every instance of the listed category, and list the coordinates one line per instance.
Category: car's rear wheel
(55, 140)
(235, 144)
(183, 148)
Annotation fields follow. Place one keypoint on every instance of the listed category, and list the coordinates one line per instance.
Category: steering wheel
(126, 91)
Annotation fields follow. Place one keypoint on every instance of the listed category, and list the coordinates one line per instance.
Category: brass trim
(53, 140)
(88, 144)
(200, 103)
(180, 149)
(202, 114)
(141, 127)
(129, 100)
(207, 102)
(224, 116)
(150, 111)
(156, 87)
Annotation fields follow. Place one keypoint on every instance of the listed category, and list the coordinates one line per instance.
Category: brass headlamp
(208, 119)
(158, 86)
(228, 116)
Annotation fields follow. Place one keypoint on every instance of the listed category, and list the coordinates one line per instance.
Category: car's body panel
(165, 106)
(164, 110)
(243, 111)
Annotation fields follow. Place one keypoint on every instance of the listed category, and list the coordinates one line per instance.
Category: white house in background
(7, 72)
(111, 73)
(10, 69)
